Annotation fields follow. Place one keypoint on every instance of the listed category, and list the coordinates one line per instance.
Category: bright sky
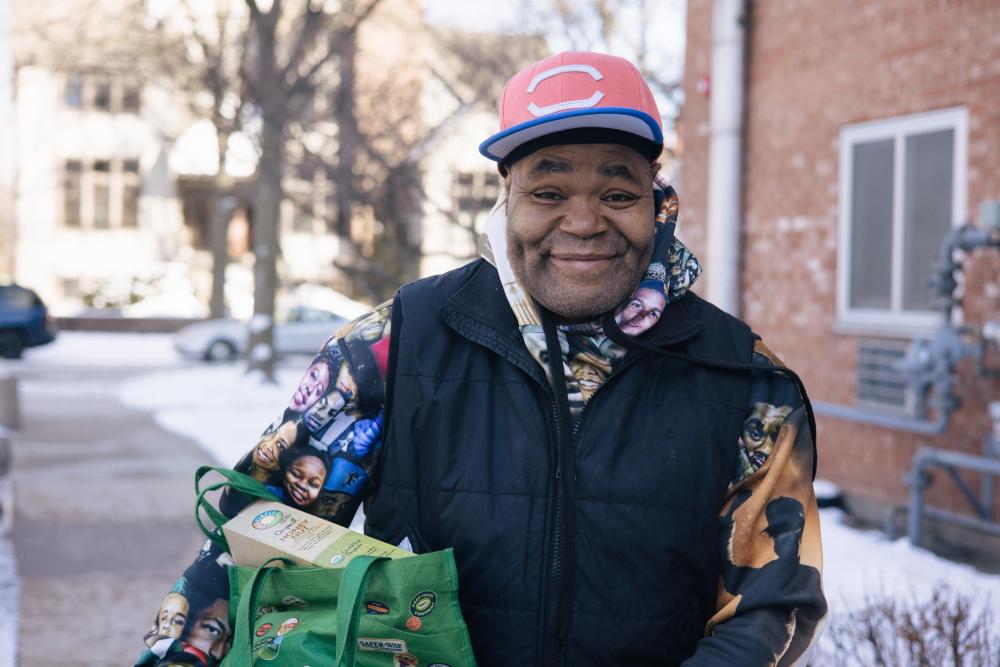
(665, 30)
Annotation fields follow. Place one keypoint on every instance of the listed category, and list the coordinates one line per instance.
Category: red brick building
(870, 128)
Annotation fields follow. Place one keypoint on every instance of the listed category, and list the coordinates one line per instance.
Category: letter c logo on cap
(568, 104)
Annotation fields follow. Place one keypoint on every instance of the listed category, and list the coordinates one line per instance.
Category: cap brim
(641, 124)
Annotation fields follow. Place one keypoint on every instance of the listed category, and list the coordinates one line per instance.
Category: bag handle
(241, 652)
(352, 588)
(238, 481)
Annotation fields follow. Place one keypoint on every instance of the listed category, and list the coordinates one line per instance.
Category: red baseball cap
(574, 90)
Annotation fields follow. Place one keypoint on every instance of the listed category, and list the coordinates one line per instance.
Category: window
(102, 194)
(130, 193)
(475, 192)
(131, 98)
(102, 94)
(902, 187)
(72, 170)
(74, 91)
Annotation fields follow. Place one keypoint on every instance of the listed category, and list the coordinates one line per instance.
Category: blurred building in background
(115, 177)
(868, 131)
(7, 143)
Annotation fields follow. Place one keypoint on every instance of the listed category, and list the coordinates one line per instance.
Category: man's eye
(548, 195)
(620, 198)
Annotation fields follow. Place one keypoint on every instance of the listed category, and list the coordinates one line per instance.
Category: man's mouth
(581, 261)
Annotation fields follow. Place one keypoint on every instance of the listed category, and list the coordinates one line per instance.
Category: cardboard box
(268, 529)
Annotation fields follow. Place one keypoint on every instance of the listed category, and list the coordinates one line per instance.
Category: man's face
(580, 225)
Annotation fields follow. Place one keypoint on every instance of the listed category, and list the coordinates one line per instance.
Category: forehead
(611, 160)
(306, 462)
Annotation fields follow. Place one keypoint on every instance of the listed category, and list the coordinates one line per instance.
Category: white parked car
(298, 330)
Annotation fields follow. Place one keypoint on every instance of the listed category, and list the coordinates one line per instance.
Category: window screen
(926, 211)
(74, 91)
(102, 206)
(871, 225)
(72, 170)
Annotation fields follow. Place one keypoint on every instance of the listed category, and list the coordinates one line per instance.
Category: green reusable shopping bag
(375, 612)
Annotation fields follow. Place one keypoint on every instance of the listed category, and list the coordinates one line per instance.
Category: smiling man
(572, 419)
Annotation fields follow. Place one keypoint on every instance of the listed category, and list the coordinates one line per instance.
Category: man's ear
(654, 169)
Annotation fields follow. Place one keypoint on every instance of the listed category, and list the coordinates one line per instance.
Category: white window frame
(895, 320)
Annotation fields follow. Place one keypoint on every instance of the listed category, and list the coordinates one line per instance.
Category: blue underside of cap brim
(499, 146)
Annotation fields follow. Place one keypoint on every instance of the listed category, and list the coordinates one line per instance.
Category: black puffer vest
(470, 461)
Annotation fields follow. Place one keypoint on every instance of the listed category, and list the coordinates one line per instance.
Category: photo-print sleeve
(770, 607)
(318, 455)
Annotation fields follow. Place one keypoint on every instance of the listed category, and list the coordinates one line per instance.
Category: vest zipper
(564, 550)
(559, 589)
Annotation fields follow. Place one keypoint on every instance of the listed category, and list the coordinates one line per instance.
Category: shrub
(947, 629)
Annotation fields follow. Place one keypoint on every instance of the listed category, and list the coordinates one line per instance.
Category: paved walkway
(104, 507)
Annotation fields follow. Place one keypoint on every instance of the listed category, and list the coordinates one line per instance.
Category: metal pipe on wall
(725, 161)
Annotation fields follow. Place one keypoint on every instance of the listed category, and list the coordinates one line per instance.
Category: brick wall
(813, 67)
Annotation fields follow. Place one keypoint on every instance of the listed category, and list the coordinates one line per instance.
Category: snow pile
(222, 408)
(860, 565)
(80, 348)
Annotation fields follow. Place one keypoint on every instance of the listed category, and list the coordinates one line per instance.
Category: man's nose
(583, 217)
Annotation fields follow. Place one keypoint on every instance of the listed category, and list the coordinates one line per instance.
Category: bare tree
(387, 174)
(287, 52)
(206, 60)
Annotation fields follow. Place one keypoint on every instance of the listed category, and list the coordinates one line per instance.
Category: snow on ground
(221, 407)
(860, 564)
(85, 348)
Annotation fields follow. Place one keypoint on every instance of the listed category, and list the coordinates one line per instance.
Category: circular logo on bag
(262, 630)
(413, 623)
(265, 520)
(405, 660)
(423, 603)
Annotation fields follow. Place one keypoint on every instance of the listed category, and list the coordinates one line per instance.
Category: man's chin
(583, 306)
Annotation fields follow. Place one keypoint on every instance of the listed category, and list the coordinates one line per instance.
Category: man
(569, 417)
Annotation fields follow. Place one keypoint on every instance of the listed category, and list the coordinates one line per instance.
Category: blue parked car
(24, 321)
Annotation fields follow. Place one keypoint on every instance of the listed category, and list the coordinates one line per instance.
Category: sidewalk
(104, 516)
